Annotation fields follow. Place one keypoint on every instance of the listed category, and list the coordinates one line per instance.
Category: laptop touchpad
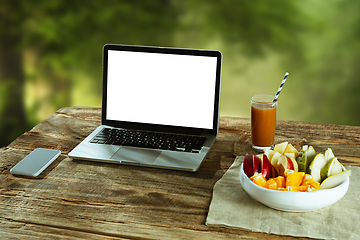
(136, 155)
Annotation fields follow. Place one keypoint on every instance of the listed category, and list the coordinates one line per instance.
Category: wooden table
(89, 200)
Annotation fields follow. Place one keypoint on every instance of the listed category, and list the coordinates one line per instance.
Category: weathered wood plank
(311, 131)
(344, 140)
(108, 230)
(90, 114)
(331, 132)
(59, 131)
(90, 200)
(26, 230)
(141, 202)
(110, 220)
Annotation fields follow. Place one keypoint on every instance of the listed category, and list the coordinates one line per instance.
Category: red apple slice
(295, 164)
(285, 163)
(266, 167)
(248, 165)
(290, 163)
(256, 164)
(274, 172)
(251, 165)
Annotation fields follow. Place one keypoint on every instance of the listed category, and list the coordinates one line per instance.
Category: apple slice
(335, 180)
(266, 167)
(295, 165)
(269, 153)
(280, 148)
(275, 158)
(311, 153)
(302, 162)
(284, 164)
(291, 149)
(336, 168)
(308, 154)
(257, 164)
(274, 161)
(291, 155)
(332, 167)
(251, 164)
(310, 157)
(316, 165)
(274, 172)
(329, 154)
(305, 148)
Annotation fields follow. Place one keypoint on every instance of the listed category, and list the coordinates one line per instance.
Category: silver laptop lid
(161, 89)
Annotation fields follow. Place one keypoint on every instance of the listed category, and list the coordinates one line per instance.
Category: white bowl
(293, 201)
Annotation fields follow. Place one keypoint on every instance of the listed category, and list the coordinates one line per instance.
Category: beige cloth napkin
(232, 207)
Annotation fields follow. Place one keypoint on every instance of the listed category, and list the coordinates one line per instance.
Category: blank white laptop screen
(157, 88)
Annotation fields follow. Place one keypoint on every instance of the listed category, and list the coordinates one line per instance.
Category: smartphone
(36, 162)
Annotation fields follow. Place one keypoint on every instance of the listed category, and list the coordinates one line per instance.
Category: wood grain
(76, 199)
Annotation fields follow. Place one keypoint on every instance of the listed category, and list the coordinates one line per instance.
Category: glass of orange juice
(263, 121)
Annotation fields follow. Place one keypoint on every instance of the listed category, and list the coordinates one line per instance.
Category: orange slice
(272, 184)
(280, 181)
(294, 179)
(259, 180)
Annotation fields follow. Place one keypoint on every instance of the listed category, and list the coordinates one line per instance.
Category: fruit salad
(285, 169)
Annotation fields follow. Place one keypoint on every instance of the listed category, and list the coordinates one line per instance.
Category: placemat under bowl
(232, 207)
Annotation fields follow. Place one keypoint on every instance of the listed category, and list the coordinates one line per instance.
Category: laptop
(160, 107)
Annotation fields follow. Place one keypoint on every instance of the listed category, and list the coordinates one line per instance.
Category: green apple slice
(310, 157)
(308, 154)
(332, 167)
(336, 168)
(311, 154)
(335, 180)
(301, 160)
(316, 165)
(305, 148)
(329, 154)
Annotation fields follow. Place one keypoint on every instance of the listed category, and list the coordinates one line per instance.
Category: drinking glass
(263, 121)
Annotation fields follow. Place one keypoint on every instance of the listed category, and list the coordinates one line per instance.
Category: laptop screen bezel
(156, 127)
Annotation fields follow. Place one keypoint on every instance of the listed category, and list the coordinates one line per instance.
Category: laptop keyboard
(165, 141)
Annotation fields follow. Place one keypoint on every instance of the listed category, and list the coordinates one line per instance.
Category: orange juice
(263, 123)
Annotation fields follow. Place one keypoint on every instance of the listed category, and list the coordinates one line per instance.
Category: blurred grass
(60, 47)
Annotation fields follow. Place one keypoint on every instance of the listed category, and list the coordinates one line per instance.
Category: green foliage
(60, 43)
(330, 74)
(256, 24)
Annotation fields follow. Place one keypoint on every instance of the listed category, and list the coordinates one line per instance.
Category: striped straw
(281, 86)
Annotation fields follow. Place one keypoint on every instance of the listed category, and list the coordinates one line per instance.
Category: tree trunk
(13, 120)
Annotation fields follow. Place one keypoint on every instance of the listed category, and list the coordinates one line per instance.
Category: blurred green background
(51, 53)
